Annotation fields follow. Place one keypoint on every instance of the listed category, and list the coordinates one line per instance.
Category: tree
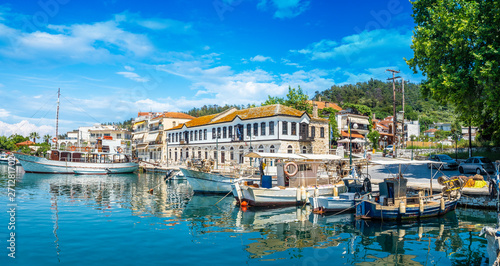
(34, 136)
(46, 138)
(295, 98)
(374, 136)
(456, 45)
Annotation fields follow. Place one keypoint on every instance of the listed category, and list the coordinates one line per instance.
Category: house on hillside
(229, 135)
(430, 132)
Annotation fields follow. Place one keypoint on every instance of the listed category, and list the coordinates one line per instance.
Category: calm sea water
(114, 220)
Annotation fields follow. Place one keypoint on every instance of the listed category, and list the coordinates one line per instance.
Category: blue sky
(114, 58)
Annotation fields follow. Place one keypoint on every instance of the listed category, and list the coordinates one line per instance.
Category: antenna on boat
(57, 116)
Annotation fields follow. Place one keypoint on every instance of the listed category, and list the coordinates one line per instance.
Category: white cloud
(24, 128)
(284, 8)
(133, 76)
(129, 68)
(156, 24)
(290, 63)
(79, 42)
(261, 58)
(4, 113)
(365, 48)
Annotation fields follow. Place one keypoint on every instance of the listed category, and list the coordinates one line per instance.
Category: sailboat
(105, 157)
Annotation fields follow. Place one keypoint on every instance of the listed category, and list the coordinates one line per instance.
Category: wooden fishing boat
(394, 202)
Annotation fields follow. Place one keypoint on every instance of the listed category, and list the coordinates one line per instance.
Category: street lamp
(355, 126)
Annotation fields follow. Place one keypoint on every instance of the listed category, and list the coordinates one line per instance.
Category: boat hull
(331, 204)
(373, 210)
(270, 197)
(33, 164)
(203, 182)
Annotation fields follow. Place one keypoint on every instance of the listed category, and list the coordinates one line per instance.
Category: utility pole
(403, 118)
(57, 117)
(393, 109)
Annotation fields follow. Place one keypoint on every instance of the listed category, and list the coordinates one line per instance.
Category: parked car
(389, 149)
(478, 165)
(442, 159)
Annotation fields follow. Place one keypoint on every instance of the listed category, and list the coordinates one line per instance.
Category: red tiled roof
(25, 143)
(174, 115)
(353, 135)
(245, 114)
(323, 105)
(142, 114)
(431, 130)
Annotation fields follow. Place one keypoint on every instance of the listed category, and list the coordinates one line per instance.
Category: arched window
(231, 154)
(230, 132)
(191, 136)
(201, 134)
(304, 149)
(205, 134)
(195, 136)
(255, 129)
(213, 133)
(262, 129)
(249, 129)
(224, 132)
(290, 149)
(272, 149)
(261, 148)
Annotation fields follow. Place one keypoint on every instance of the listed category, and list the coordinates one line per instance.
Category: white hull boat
(203, 182)
(33, 164)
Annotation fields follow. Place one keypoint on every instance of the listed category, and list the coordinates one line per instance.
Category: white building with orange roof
(149, 140)
(229, 135)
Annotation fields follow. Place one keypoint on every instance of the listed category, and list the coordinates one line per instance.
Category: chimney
(315, 111)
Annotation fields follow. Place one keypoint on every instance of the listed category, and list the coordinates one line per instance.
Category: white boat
(106, 157)
(208, 182)
(85, 163)
(297, 179)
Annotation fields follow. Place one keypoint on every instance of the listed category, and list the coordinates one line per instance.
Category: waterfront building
(88, 136)
(229, 135)
(149, 141)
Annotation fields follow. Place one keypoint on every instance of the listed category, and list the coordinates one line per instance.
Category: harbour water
(115, 220)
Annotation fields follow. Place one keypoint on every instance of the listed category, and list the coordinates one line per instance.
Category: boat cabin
(106, 150)
(392, 189)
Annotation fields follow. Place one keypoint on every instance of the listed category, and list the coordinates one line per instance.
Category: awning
(273, 155)
(138, 136)
(359, 120)
(353, 135)
(142, 146)
(320, 157)
(139, 123)
(151, 137)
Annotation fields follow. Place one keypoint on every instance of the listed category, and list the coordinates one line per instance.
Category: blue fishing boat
(394, 202)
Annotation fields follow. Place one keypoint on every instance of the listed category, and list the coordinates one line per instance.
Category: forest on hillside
(378, 96)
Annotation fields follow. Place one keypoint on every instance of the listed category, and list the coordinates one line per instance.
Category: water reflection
(283, 234)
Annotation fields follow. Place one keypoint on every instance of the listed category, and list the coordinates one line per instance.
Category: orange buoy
(151, 191)
(120, 150)
(244, 203)
(72, 148)
(54, 139)
(243, 209)
(87, 149)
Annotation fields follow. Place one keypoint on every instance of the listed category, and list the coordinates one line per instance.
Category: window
(213, 133)
(205, 134)
(294, 128)
(230, 132)
(173, 124)
(285, 128)
(118, 136)
(201, 134)
(271, 149)
(107, 134)
(290, 149)
(249, 129)
(176, 137)
(218, 132)
(304, 149)
(262, 129)
(190, 136)
(168, 137)
(255, 129)
(271, 128)
(224, 132)
(321, 132)
(231, 153)
(261, 148)
(313, 132)
(195, 135)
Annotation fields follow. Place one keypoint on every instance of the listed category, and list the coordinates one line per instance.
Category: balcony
(159, 142)
(155, 128)
(305, 138)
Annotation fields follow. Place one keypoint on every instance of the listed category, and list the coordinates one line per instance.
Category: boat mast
(57, 117)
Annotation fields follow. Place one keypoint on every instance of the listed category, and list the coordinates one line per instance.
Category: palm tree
(34, 136)
(46, 138)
